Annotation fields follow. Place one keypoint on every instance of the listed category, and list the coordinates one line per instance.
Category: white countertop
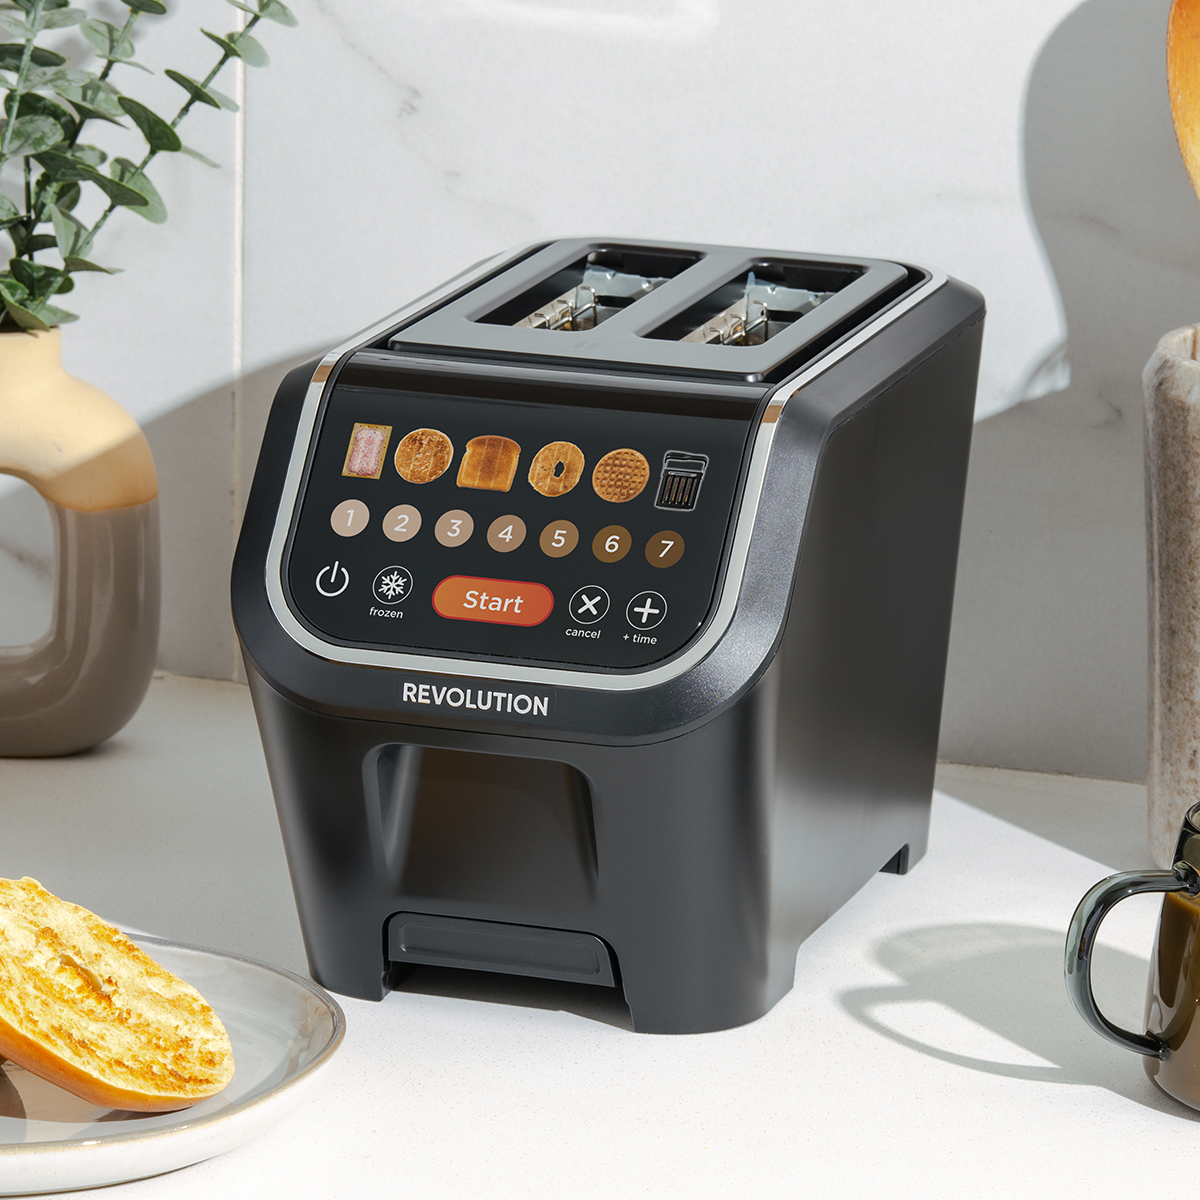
(928, 1046)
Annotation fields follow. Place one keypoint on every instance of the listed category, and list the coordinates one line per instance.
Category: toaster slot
(758, 305)
(590, 290)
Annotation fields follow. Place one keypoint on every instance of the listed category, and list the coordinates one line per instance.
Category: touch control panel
(559, 532)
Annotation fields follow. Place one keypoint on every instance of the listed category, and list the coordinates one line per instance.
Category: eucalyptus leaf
(11, 52)
(68, 197)
(14, 26)
(158, 133)
(87, 112)
(55, 315)
(8, 211)
(65, 167)
(62, 18)
(115, 189)
(39, 279)
(92, 155)
(99, 96)
(70, 234)
(278, 12)
(227, 47)
(33, 105)
(21, 315)
(81, 264)
(226, 102)
(110, 41)
(32, 135)
(192, 88)
(147, 6)
(208, 162)
(54, 77)
(126, 175)
(39, 241)
(252, 50)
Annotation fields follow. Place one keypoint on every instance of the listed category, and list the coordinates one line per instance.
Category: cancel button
(498, 601)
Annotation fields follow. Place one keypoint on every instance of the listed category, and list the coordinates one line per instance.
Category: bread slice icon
(423, 455)
(620, 476)
(489, 463)
(556, 468)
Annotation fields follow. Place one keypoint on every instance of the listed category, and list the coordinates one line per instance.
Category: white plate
(284, 1031)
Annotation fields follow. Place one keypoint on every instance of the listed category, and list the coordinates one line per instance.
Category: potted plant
(87, 457)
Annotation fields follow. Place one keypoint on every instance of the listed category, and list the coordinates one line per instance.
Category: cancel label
(472, 698)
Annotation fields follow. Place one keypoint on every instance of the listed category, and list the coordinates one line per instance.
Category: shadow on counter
(1000, 990)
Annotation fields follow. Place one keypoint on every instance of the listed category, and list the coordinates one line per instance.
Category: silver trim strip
(629, 681)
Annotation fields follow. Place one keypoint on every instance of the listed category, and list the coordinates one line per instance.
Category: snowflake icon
(392, 584)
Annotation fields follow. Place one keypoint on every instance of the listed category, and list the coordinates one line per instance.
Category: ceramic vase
(86, 456)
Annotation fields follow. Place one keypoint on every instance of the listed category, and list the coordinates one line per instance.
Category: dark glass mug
(1171, 1043)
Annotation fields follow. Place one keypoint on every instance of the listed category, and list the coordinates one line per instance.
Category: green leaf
(14, 26)
(76, 165)
(10, 56)
(278, 12)
(8, 212)
(98, 96)
(55, 315)
(32, 135)
(112, 44)
(68, 197)
(208, 162)
(227, 47)
(116, 189)
(81, 264)
(147, 6)
(39, 241)
(33, 105)
(39, 279)
(86, 111)
(126, 175)
(252, 50)
(70, 234)
(93, 156)
(61, 18)
(54, 77)
(21, 315)
(158, 134)
(226, 102)
(193, 88)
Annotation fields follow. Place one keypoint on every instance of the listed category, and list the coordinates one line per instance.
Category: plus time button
(646, 610)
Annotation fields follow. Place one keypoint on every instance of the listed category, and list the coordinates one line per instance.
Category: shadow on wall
(1047, 666)
(205, 452)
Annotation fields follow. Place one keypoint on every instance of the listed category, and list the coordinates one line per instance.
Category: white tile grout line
(239, 293)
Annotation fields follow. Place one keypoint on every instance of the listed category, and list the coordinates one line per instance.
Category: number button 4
(506, 533)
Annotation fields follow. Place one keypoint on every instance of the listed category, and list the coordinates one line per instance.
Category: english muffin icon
(489, 463)
(620, 476)
(423, 455)
(556, 468)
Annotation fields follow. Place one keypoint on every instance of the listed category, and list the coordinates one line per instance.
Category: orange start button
(500, 601)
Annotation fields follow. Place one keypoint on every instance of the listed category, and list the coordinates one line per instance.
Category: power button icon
(334, 588)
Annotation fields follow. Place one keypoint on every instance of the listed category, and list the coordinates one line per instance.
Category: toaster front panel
(563, 533)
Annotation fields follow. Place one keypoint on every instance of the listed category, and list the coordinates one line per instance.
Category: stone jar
(86, 456)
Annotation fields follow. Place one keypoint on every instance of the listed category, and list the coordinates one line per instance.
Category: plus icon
(646, 610)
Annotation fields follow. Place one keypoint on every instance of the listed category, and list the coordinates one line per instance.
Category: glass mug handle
(1081, 941)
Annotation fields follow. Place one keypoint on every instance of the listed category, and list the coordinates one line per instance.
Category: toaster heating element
(595, 610)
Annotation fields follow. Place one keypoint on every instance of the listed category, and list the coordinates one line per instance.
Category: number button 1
(350, 517)
(401, 523)
(454, 528)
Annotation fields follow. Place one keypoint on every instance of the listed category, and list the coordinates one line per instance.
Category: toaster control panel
(525, 530)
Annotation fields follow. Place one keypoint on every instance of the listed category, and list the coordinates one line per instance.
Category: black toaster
(595, 610)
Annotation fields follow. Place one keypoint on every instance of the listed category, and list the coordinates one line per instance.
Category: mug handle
(1081, 941)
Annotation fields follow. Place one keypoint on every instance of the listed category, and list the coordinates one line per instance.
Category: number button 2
(401, 523)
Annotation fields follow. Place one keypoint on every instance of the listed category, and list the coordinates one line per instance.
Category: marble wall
(1021, 146)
